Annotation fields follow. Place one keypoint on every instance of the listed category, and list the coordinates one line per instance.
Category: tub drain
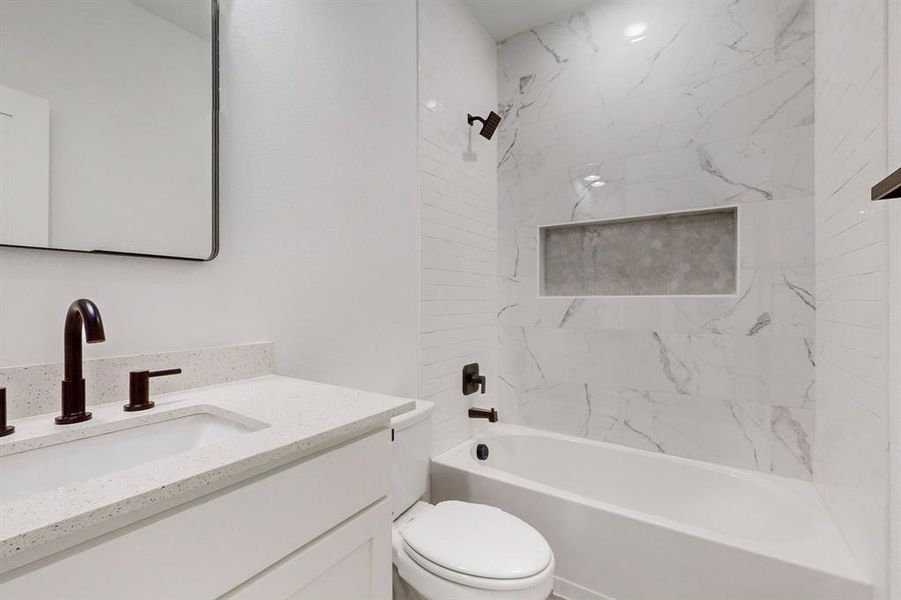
(482, 452)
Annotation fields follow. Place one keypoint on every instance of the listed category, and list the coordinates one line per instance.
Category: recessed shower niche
(686, 253)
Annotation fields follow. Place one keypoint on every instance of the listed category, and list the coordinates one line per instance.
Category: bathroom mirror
(108, 126)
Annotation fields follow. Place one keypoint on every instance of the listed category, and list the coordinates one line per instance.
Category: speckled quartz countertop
(292, 418)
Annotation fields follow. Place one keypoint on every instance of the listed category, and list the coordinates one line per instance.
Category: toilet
(458, 550)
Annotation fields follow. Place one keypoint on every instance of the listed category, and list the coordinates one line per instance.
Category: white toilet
(458, 550)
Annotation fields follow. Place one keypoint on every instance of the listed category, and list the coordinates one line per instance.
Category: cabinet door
(351, 562)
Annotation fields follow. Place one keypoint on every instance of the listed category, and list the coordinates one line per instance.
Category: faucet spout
(82, 315)
(483, 413)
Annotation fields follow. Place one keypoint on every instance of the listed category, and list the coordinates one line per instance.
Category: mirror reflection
(106, 126)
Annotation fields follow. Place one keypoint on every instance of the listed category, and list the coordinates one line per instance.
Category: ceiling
(504, 18)
(191, 15)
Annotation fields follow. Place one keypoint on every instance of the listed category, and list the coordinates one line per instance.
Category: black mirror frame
(214, 250)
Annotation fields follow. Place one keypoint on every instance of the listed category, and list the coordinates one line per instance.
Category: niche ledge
(692, 253)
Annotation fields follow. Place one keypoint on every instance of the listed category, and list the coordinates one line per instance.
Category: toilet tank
(410, 454)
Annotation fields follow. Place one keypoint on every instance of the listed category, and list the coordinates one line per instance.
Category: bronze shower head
(489, 124)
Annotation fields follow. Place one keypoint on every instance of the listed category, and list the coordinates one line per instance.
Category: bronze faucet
(4, 428)
(139, 388)
(483, 413)
(83, 314)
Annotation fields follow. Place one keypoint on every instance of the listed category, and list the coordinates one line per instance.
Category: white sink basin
(33, 471)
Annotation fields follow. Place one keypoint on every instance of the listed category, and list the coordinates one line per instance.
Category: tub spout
(483, 413)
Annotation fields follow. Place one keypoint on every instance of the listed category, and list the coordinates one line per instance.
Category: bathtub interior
(764, 514)
(688, 492)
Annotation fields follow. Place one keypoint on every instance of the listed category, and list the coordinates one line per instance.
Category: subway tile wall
(458, 215)
(852, 413)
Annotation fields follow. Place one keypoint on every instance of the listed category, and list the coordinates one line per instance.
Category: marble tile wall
(672, 254)
(458, 215)
(851, 460)
(710, 104)
(35, 389)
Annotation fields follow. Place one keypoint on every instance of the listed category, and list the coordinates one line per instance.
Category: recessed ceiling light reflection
(590, 178)
(635, 31)
(638, 39)
(597, 184)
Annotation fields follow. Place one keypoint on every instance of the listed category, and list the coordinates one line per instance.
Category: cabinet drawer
(207, 547)
(351, 562)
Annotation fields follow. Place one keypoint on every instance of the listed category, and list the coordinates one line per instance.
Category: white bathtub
(627, 524)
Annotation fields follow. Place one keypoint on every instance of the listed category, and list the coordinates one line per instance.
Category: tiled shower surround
(854, 364)
(458, 215)
(704, 104)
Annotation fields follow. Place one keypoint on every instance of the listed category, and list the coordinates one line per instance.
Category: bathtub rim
(844, 566)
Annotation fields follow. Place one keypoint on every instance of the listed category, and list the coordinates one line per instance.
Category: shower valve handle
(472, 381)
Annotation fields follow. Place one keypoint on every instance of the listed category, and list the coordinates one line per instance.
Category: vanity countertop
(297, 418)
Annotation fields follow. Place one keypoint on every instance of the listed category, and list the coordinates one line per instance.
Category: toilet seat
(480, 583)
(461, 550)
(476, 539)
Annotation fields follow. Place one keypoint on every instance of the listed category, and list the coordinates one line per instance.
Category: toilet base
(401, 590)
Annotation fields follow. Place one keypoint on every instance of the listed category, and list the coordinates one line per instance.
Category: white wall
(852, 412)
(319, 212)
(130, 132)
(458, 227)
(712, 107)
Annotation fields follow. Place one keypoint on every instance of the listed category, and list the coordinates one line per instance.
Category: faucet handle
(4, 428)
(139, 388)
(162, 373)
(472, 381)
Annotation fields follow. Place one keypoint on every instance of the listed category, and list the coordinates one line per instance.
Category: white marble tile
(769, 370)
(764, 99)
(558, 144)
(793, 174)
(763, 167)
(794, 28)
(777, 234)
(712, 174)
(772, 439)
(756, 100)
(713, 39)
(586, 60)
(714, 107)
(778, 298)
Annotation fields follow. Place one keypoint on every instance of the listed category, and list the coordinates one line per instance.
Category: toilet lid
(477, 540)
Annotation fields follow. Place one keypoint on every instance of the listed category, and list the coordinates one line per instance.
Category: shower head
(489, 124)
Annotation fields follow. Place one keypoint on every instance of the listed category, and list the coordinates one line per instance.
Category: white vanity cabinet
(347, 563)
(318, 528)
